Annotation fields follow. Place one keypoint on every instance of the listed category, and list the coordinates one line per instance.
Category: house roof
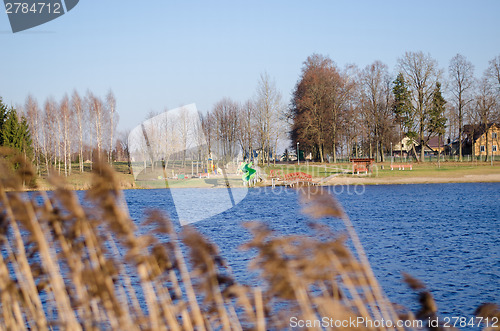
(474, 131)
(435, 142)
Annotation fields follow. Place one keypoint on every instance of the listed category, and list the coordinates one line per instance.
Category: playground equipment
(291, 179)
(249, 174)
(297, 178)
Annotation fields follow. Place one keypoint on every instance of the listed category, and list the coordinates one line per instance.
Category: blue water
(446, 235)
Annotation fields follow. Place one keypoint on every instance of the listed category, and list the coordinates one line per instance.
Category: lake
(446, 235)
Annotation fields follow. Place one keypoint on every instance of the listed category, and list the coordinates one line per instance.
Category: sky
(156, 55)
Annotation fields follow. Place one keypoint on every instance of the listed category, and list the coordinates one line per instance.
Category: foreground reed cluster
(72, 265)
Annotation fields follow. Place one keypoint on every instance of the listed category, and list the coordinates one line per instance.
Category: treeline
(257, 127)
(14, 130)
(74, 129)
(334, 112)
(360, 112)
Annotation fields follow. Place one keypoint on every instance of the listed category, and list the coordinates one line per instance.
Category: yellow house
(487, 140)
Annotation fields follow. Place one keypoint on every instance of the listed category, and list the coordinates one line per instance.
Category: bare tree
(421, 73)
(184, 128)
(49, 140)
(376, 102)
(33, 115)
(123, 149)
(485, 107)
(96, 109)
(113, 121)
(493, 72)
(225, 115)
(462, 81)
(58, 137)
(246, 128)
(268, 109)
(64, 111)
(208, 128)
(77, 111)
(310, 105)
(493, 75)
(321, 100)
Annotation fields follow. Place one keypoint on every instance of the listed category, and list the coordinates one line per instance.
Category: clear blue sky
(158, 54)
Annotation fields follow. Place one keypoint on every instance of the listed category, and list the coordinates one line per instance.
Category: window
(481, 148)
(494, 135)
(494, 148)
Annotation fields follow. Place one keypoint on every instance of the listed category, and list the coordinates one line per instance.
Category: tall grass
(72, 265)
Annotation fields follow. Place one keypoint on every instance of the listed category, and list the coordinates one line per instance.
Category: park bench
(361, 169)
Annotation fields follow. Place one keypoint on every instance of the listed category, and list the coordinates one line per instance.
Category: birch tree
(112, 114)
(97, 114)
(268, 108)
(77, 111)
(49, 141)
(65, 118)
(33, 115)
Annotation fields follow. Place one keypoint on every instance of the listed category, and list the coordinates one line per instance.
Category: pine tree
(3, 115)
(437, 119)
(9, 129)
(23, 138)
(14, 131)
(403, 109)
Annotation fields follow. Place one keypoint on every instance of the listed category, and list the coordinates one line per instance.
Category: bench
(365, 170)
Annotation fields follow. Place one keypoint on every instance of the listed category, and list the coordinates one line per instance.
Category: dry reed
(72, 265)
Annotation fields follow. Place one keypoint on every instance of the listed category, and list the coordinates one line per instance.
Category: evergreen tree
(9, 129)
(3, 115)
(23, 138)
(437, 120)
(14, 131)
(403, 110)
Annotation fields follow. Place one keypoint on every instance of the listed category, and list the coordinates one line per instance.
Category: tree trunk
(422, 147)
(460, 142)
(414, 151)
(382, 153)
(487, 149)
(334, 151)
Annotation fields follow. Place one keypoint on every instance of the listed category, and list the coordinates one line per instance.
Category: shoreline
(421, 174)
(346, 180)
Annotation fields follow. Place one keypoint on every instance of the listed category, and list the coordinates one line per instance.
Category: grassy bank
(327, 173)
(446, 172)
